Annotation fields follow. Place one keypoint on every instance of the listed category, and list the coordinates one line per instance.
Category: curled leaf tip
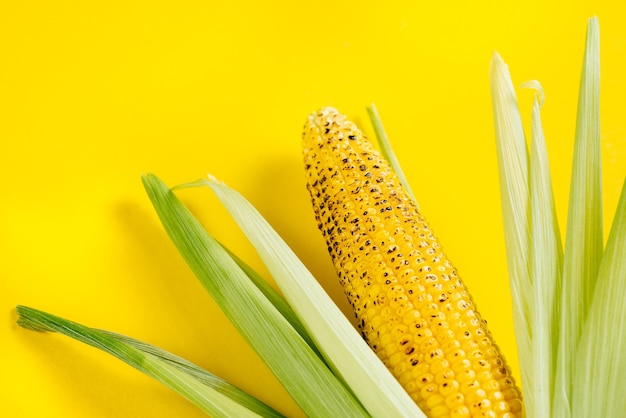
(539, 93)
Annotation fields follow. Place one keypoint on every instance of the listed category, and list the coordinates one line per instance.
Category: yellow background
(93, 94)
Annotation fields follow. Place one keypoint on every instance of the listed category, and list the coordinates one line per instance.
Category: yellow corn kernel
(449, 388)
(409, 301)
(455, 400)
(435, 400)
(460, 412)
(501, 407)
(439, 411)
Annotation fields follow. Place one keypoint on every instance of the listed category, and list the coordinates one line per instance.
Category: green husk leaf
(600, 375)
(305, 376)
(584, 238)
(343, 348)
(208, 392)
(272, 295)
(386, 149)
(275, 298)
(546, 258)
(515, 195)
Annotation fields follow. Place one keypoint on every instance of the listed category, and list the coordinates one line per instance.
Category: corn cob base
(410, 305)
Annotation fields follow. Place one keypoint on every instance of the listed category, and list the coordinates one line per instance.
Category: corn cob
(410, 304)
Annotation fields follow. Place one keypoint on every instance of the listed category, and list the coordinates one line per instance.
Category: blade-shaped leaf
(291, 359)
(546, 258)
(275, 298)
(584, 240)
(342, 346)
(515, 196)
(600, 375)
(387, 150)
(208, 392)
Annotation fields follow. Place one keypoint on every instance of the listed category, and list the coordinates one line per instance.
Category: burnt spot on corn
(409, 303)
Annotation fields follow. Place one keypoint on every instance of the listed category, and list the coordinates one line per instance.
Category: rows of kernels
(409, 303)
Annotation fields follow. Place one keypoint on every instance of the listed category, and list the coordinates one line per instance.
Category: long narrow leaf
(515, 196)
(387, 150)
(295, 364)
(275, 298)
(342, 346)
(584, 240)
(546, 260)
(202, 375)
(600, 375)
(208, 392)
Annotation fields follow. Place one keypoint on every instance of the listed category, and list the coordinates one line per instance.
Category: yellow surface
(93, 94)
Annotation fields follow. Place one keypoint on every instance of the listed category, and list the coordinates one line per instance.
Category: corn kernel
(439, 411)
(449, 388)
(501, 407)
(444, 376)
(396, 358)
(515, 405)
(439, 365)
(428, 391)
(434, 400)
(460, 412)
(409, 302)
(455, 400)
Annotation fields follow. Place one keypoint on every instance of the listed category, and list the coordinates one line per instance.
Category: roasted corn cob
(410, 304)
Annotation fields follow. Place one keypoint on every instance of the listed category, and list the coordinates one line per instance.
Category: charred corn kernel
(425, 380)
(428, 391)
(411, 306)
(449, 388)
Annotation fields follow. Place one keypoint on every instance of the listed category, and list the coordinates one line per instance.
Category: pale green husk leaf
(386, 149)
(343, 348)
(573, 341)
(600, 374)
(305, 376)
(546, 258)
(515, 197)
(584, 240)
(208, 392)
(275, 298)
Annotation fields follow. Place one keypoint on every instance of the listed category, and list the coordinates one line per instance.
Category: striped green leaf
(600, 374)
(546, 258)
(584, 238)
(208, 392)
(343, 348)
(515, 197)
(305, 376)
(386, 149)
